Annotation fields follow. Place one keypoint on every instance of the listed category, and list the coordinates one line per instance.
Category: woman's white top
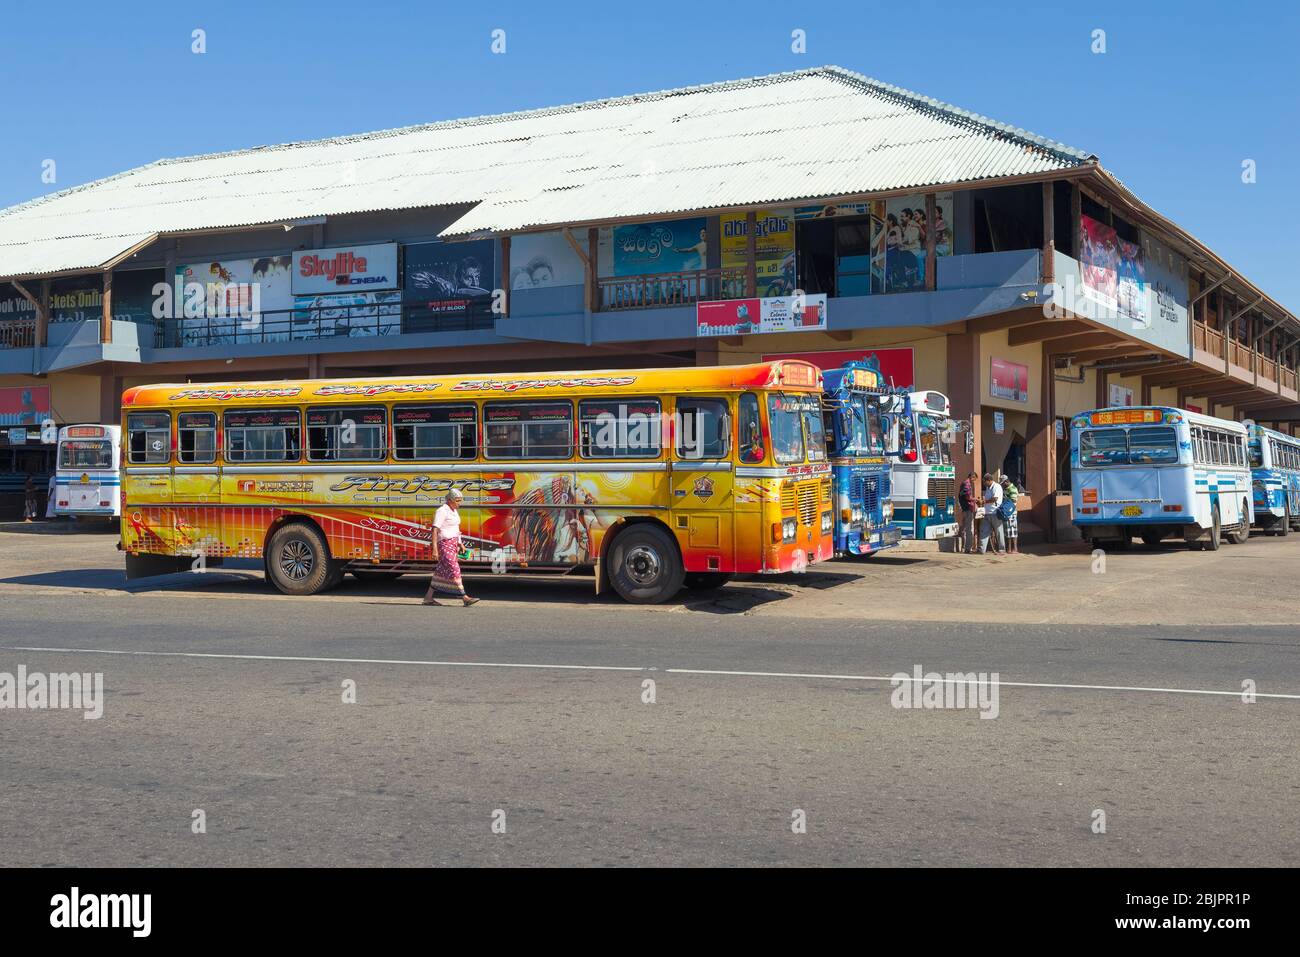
(447, 521)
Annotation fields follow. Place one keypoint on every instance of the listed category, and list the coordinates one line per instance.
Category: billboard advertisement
(773, 248)
(897, 367)
(319, 272)
(679, 245)
(352, 314)
(740, 317)
(542, 260)
(450, 277)
(25, 405)
(907, 230)
(225, 313)
(1099, 259)
(1008, 380)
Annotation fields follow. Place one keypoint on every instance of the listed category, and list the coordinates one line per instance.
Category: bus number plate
(1130, 511)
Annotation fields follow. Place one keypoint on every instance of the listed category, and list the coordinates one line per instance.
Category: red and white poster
(25, 405)
(742, 317)
(896, 366)
(1009, 380)
(1099, 258)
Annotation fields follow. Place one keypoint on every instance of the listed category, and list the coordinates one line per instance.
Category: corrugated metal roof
(815, 133)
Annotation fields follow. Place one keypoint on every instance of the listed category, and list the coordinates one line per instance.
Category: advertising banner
(229, 310)
(25, 405)
(895, 366)
(541, 260)
(352, 314)
(449, 278)
(1009, 380)
(773, 249)
(739, 317)
(907, 229)
(679, 245)
(1131, 284)
(1120, 395)
(1099, 257)
(345, 268)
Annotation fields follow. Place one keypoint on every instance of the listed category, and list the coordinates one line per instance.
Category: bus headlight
(857, 515)
(887, 510)
(789, 530)
(828, 522)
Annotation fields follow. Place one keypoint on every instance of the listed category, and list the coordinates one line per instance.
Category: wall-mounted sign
(740, 317)
(1060, 428)
(773, 248)
(24, 405)
(1120, 395)
(999, 422)
(1009, 380)
(345, 269)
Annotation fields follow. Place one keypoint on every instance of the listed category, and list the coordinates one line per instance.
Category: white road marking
(641, 668)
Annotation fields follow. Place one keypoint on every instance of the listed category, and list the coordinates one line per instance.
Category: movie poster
(350, 314)
(774, 257)
(230, 310)
(1099, 258)
(640, 249)
(907, 231)
(543, 260)
(1131, 283)
(448, 279)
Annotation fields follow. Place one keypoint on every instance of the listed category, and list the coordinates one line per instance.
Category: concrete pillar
(964, 368)
(1040, 452)
(110, 398)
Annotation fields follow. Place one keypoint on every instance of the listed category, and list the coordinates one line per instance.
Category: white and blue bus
(925, 487)
(87, 481)
(1275, 474)
(1157, 472)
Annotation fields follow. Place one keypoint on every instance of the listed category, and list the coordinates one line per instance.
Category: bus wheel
(701, 581)
(298, 560)
(1240, 535)
(1211, 542)
(1151, 539)
(644, 566)
(1284, 527)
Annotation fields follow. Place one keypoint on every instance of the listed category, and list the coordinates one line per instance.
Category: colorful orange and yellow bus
(654, 477)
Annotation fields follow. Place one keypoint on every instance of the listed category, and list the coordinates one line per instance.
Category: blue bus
(1275, 478)
(855, 438)
(1158, 472)
(925, 486)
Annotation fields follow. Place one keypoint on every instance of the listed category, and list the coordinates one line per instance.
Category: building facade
(819, 214)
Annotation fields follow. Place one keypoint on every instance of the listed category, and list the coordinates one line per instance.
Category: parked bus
(1275, 475)
(86, 478)
(1157, 472)
(925, 487)
(656, 477)
(855, 436)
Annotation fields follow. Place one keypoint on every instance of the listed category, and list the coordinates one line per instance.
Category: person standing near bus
(29, 499)
(446, 539)
(966, 501)
(992, 523)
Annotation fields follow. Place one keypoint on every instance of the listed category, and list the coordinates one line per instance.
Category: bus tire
(645, 567)
(703, 581)
(1284, 526)
(298, 560)
(1211, 541)
(1151, 539)
(1240, 535)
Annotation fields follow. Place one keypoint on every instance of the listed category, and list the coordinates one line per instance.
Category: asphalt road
(233, 705)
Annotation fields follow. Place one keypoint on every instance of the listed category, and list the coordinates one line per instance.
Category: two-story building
(1009, 271)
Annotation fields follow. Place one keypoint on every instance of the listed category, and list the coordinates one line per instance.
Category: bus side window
(619, 428)
(347, 435)
(528, 430)
(149, 437)
(442, 431)
(196, 433)
(703, 428)
(257, 435)
(750, 430)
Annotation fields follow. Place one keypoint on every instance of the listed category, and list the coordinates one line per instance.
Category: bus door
(702, 483)
(262, 471)
(197, 478)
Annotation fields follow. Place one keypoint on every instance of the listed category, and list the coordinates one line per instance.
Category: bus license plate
(1130, 511)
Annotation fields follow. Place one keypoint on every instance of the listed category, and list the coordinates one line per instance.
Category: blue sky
(1183, 94)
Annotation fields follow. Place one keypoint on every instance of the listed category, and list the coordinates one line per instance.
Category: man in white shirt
(991, 523)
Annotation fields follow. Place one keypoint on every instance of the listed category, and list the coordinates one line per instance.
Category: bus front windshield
(933, 449)
(86, 454)
(785, 414)
(1138, 446)
(867, 433)
(1256, 454)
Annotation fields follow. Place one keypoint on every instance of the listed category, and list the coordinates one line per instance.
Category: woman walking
(446, 539)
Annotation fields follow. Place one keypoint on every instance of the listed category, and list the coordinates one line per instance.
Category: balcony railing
(17, 333)
(1216, 344)
(327, 322)
(670, 289)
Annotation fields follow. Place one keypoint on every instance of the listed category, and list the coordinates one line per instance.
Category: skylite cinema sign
(345, 269)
